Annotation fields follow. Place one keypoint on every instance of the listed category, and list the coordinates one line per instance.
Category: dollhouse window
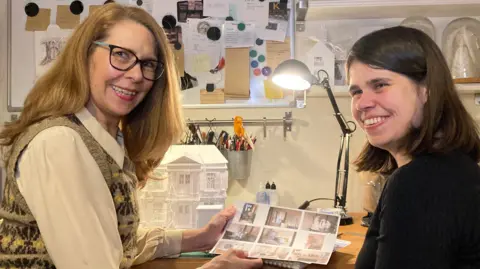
(211, 180)
(184, 179)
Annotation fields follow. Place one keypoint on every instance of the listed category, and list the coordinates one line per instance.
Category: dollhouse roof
(201, 154)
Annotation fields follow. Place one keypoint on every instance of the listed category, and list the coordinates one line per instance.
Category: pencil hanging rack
(286, 122)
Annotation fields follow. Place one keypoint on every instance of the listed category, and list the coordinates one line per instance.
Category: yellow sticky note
(201, 63)
(272, 91)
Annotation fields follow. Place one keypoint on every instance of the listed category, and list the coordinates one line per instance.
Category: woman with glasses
(92, 130)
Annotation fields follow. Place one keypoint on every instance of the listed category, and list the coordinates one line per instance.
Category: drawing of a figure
(52, 49)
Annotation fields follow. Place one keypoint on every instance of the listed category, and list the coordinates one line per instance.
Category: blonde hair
(64, 89)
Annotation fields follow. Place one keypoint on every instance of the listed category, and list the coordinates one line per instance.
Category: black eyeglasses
(124, 59)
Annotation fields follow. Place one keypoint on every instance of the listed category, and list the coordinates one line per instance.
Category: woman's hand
(233, 259)
(206, 237)
(214, 229)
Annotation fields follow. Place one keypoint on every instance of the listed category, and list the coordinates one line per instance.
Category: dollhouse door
(184, 215)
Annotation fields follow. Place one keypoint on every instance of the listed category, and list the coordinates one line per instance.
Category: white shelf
(376, 9)
(342, 91)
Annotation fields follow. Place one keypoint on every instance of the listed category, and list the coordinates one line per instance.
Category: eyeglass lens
(124, 60)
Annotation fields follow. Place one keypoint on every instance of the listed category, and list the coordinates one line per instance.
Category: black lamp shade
(293, 75)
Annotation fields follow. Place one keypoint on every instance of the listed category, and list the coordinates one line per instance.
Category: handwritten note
(254, 11)
(216, 8)
(239, 35)
(277, 52)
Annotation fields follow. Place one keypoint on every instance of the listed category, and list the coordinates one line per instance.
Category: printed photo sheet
(280, 233)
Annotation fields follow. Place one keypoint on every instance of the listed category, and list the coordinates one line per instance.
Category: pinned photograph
(174, 35)
(189, 10)
(277, 237)
(315, 241)
(284, 218)
(249, 213)
(322, 223)
(242, 232)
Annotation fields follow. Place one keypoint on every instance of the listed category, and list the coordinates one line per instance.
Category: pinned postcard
(48, 44)
(253, 11)
(277, 26)
(239, 34)
(192, 9)
(216, 8)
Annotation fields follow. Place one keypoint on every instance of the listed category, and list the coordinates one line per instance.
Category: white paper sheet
(164, 7)
(48, 45)
(197, 43)
(235, 38)
(276, 30)
(253, 11)
(145, 4)
(216, 8)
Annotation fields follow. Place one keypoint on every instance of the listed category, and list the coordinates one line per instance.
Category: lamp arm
(338, 115)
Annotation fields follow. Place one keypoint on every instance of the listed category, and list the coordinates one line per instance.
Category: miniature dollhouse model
(192, 178)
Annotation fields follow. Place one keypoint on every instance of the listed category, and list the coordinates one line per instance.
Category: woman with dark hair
(418, 131)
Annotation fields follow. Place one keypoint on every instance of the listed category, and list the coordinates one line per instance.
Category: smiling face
(116, 93)
(385, 104)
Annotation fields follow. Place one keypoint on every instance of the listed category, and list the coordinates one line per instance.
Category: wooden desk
(344, 258)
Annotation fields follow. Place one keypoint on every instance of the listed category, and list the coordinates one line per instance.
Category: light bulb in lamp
(292, 75)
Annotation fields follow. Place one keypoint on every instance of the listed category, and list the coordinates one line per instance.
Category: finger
(251, 263)
(240, 254)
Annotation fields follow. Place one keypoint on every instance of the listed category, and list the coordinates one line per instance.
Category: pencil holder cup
(239, 163)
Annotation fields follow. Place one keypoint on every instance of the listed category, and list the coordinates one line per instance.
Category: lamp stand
(340, 199)
(342, 177)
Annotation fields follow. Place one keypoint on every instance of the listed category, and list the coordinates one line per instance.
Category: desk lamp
(295, 75)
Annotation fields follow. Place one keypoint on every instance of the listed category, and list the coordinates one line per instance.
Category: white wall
(303, 166)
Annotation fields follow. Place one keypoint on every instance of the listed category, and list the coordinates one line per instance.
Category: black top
(428, 217)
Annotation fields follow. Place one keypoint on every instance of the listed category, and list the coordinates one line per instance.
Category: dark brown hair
(446, 124)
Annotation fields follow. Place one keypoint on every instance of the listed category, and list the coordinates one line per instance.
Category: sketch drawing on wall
(193, 176)
(48, 45)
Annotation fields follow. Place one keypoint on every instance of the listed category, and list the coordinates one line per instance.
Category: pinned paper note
(272, 90)
(216, 8)
(254, 11)
(277, 52)
(48, 45)
(40, 21)
(237, 73)
(179, 55)
(201, 63)
(277, 25)
(65, 18)
(239, 35)
(147, 5)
